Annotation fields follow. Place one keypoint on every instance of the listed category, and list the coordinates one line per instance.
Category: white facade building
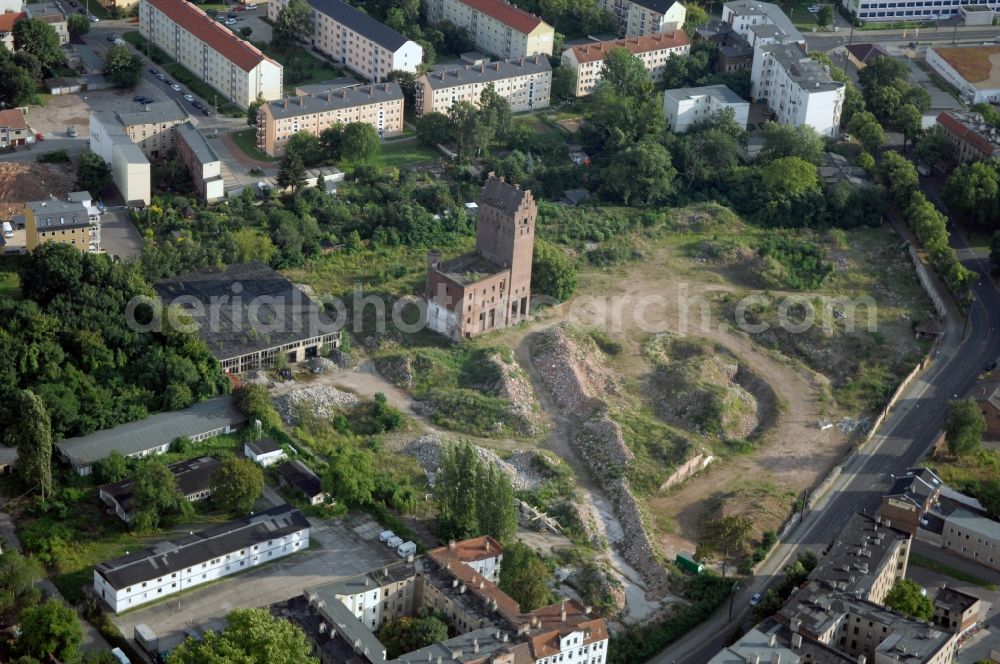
(687, 106)
(356, 40)
(496, 26)
(264, 452)
(170, 567)
(797, 89)
(908, 10)
(236, 68)
(646, 17)
(973, 70)
(130, 168)
(761, 23)
(525, 83)
(587, 60)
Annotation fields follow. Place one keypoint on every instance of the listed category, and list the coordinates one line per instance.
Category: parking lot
(339, 549)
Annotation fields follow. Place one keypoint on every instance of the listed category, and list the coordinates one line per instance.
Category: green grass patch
(948, 570)
(406, 153)
(10, 285)
(301, 67)
(246, 140)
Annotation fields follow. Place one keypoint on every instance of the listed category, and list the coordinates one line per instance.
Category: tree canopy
(907, 597)
(41, 40)
(724, 539)
(473, 496)
(122, 66)
(294, 24)
(93, 174)
(31, 435)
(50, 629)
(155, 497)
(237, 485)
(408, 634)
(964, 426)
(252, 636)
(524, 576)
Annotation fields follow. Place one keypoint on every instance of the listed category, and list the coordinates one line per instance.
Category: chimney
(285, 102)
(773, 639)
(329, 96)
(775, 657)
(486, 543)
(497, 65)
(562, 611)
(475, 645)
(862, 659)
(451, 544)
(794, 624)
(796, 641)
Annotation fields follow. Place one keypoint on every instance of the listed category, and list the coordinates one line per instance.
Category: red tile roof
(476, 583)
(477, 548)
(655, 42)
(13, 119)
(241, 53)
(8, 19)
(507, 14)
(558, 620)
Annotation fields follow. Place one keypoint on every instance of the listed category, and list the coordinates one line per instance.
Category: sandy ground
(21, 182)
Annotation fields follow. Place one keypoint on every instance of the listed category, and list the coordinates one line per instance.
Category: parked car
(197, 104)
(72, 3)
(286, 374)
(162, 77)
(93, 19)
(189, 97)
(230, 21)
(39, 136)
(138, 98)
(231, 15)
(71, 131)
(82, 10)
(175, 87)
(205, 111)
(755, 600)
(112, 37)
(252, 5)
(154, 72)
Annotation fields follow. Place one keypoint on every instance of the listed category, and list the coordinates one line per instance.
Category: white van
(386, 535)
(8, 230)
(394, 542)
(251, 5)
(121, 656)
(406, 549)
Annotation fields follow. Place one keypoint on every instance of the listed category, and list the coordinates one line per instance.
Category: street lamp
(732, 597)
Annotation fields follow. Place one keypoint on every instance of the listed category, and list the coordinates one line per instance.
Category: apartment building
(234, 67)
(7, 21)
(193, 479)
(14, 128)
(170, 567)
(526, 83)
(972, 536)
(687, 106)
(496, 26)
(482, 554)
(51, 13)
(587, 60)
(635, 19)
(356, 40)
(128, 140)
(973, 70)
(796, 88)
(761, 23)
(911, 496)
(201, 162)
(373, 599)
(63, 221)
(377, 104)
(956, 610)
(909, 10)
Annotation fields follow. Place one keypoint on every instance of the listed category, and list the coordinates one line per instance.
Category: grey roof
(757, 644)
(79, 196)
(917, 484)
(469, 268)
(157, 112)
(771, 11)
(50, 215)
(192, 476)
(263, 446)
(8, 455)
(116, 131)
(334, 99)
(346, 623)
(658, 6)
(198, 144)
(92, 62)
(361, 23)
(863, 547)
(301, 477)
(720, 90)
(955, 599)
(324, 86)
(974, 523)
(43, 9)
(171, 556)
(803, 70)
(475, 646)
(285, 314)
(448, 76)
(154, 431)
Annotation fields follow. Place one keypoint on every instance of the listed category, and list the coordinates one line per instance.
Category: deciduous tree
(122, 67)
(237, 485)
(294, 24)
(77, 25)
(791, 141)
(972, 191)
(93, 174)
(31, 434)
(964, 427)
(360, 142)
(292, 172)
(724, 539)
(524, 576)
(350, 475)
(155, 496)
(639, 175)
(552, 273)
(252, 636)
(39, 38)
(112, 468)
(907, 597)
(50, 630)
(909, 122)
(253, 110)
(408, 634)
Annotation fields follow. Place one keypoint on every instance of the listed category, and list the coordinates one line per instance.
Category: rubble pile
(570, 376)
(397, 369)
(342, 359)
(317, 401)
(515, 388)
(258, 377)
(522, 472)
(320, 365)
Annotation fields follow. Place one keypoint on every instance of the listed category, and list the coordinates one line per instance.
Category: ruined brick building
(490, 288)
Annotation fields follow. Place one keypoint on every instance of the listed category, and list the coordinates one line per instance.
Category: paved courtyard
(339, 549)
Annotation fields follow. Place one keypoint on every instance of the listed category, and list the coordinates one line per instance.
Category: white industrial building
(170, 567)
(973, 70)
(264, 452)
(687, 106)
(796, 88)
(908, 10)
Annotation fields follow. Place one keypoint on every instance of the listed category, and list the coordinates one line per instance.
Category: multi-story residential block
(128, 140)
(646, 17)
(973, 70)
(51, 13)
(491, 288)
(7, 21)
(283, 321)
(152, 435)
(14, 128)
(234, 67)
(357, 40)
(193, 478)
(733, 51)
(371, 599)
(910, 498)
(797, 89)
(525, 83)
(910, 10)
(956, 610)
(687, 106)
(496, 26)
(202, 163)
(170, 567)
(761, 23)
(66, 222)
(587, 60)
(972, 536)
(483, 554)
(377, 104)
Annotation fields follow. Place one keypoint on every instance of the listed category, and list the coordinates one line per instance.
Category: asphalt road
(824, 41)
(905, 437)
